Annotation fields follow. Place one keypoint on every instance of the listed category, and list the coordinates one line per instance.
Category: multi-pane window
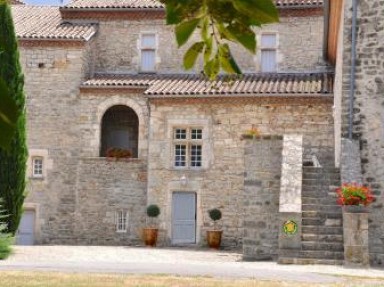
(37, 167)
(121, 221)
(148, 53)
(268, 48)
(188, 147)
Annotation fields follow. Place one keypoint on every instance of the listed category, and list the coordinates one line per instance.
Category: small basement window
(121, 218)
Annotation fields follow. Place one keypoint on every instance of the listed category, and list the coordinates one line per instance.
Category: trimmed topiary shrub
(153, 210)
(215, 214)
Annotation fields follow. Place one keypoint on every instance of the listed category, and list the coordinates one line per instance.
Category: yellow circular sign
(290, 227)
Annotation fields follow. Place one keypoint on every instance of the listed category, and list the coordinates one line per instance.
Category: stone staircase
(322, 230)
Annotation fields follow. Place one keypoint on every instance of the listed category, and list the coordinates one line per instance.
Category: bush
(5, 238)
(215, 214)
(153, 210)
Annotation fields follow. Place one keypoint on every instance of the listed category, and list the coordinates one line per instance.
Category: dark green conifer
(13, 159)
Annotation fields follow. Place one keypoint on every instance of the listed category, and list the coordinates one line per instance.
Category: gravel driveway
(186, 262)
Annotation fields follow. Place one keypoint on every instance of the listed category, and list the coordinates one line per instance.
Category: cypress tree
(13, 159)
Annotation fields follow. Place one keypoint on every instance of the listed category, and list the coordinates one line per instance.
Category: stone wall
(220, 183)
(77, 197)
(368, 112)
(263, 159)
(300, 44)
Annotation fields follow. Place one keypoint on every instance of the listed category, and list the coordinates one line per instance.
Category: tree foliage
(219, 22)
(13, 159)
(5, 238)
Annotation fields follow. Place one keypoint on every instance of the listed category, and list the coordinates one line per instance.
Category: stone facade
(368, 119)
(77, 198)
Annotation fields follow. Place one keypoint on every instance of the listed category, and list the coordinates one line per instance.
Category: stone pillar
(355, 232)
(290, 194)
(355, 218)
(261, 197)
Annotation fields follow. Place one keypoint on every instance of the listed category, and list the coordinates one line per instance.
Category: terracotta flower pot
(214, 238)
(150, 236)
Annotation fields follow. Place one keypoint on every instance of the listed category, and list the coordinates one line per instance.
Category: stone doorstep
(307, 261)
(311, 254)
(318, 200)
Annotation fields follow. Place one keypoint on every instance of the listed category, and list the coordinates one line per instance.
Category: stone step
(312, 254)
(322, 222)
(322, 238)
(321, 175)
(326, 169)
(322, 230)
(318, 200)
(324, 208)
(324, 215)
(320, 184)
(308, 261)
(322, 246)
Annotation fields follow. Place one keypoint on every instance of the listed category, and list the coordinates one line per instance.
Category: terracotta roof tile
(299, 3)
(95, 4)
(43, 22)
(195, 85)
(17, 2)
(110, 4)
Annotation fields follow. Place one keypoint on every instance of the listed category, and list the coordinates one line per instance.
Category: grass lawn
(55, 279)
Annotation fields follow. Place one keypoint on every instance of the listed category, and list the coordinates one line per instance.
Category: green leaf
(8, 115)
(243, 35)
(184, 30)
(264, 11)
(212, 68)
(192, 54)
(173, 14)
(226, 60)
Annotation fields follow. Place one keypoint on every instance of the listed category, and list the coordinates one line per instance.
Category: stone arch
(140, 111)
(120, 129)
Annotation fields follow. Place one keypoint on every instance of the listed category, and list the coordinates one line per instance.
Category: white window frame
(36, 174)
(188, 142)
(148, 48)
(121, 221)
(268, 48)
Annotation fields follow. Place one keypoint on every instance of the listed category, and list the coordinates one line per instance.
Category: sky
(45, 2)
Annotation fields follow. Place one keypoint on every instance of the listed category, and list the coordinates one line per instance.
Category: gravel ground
(185, 262)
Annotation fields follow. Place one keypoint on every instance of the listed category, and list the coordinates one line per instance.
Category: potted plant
(214, 236)
(151, 231)
(355, 195)
(251, 133)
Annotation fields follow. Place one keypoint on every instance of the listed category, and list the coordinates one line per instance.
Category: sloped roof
(195, 85)
(299, 3)
(45, 23)
(17, 2)
(114, 4)
(140, 4)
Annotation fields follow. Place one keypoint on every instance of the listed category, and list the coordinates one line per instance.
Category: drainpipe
(353, 68)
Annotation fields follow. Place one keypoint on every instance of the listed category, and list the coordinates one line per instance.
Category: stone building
(101, 75)
(355, 47)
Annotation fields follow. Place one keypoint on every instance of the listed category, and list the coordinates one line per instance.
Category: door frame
(184, 192)
(36, 228)
(190, 187)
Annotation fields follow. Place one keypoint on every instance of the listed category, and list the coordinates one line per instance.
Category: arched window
(120, 129)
